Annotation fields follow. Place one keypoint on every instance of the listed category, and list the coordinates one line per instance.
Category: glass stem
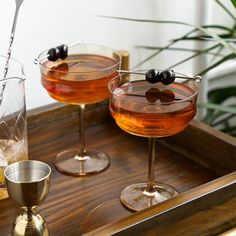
(151, 165)
(82, 150)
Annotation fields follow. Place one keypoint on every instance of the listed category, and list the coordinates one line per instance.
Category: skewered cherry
(152, 76)
(165, 77)
(63, 49)
(58, 52)
(53, 54)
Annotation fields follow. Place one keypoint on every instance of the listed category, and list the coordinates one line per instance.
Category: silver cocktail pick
(197, 78)
(18, 4)
(37, 60)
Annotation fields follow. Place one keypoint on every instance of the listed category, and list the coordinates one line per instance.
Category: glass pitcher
(13, 124)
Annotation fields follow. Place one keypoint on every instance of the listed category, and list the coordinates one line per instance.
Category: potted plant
(222, 48)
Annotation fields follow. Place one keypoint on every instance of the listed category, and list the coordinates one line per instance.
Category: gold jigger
(28, 185)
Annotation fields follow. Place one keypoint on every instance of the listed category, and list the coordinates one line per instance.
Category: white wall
(43, 24)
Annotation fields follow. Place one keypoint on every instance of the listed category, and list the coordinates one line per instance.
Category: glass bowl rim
(162, 103)
(42, 64)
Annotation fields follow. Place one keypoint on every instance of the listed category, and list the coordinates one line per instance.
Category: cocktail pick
(18, 4)
(165, 77)
(57, 52)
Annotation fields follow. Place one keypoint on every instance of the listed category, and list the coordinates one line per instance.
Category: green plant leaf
(215, 111)
(234, 3)
(198, 37)
(215, 117)
(152, 55)
(224, 59)
(222, 27)
(225, 37)
(221, 118)
(217, 54)
(219, 95)
(158, 52)
(201, 29)
(226, 10)
(217, 107)
(193, 56)
(229, 130)
(180, 49)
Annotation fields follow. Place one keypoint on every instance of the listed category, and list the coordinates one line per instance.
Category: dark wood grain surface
(78, 205)
(207, 146)
(206, 210)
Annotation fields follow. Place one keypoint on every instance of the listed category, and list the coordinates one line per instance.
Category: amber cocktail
(80, 79)
(151, 110)
(146, 110)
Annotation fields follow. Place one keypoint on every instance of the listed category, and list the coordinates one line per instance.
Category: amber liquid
(79, 79)
(148, 110)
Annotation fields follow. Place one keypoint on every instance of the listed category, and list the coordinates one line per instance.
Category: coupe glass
(80, 79)
(153, 111)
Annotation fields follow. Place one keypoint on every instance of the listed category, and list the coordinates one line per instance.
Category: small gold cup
(28, 185)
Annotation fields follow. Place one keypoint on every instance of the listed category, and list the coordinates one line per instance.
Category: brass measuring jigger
(28, 185)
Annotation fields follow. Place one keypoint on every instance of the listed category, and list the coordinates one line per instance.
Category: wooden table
(198, 162)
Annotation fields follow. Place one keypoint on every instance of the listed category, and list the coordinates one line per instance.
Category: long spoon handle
(18, 4)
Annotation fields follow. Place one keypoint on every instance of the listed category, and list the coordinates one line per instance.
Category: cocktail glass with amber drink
(151, 110)
(80, 78)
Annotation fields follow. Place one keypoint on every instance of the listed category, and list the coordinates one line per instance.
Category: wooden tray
(198, 162)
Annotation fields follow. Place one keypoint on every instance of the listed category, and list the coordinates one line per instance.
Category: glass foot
(94, 161)
(136, 198)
